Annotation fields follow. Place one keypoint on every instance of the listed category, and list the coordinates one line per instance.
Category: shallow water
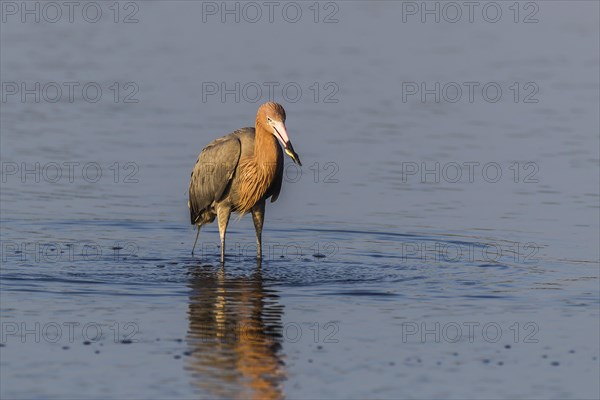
(378, 281)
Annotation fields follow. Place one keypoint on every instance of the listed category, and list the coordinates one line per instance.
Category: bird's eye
(269, 119)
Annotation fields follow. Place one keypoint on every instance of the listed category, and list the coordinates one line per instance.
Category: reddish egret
(238, 172)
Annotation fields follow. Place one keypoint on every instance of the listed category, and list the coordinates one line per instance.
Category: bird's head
(272, 117)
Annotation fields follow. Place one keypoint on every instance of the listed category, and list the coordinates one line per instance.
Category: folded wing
(212, 174)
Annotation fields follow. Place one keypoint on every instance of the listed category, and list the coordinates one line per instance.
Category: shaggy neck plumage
(265, 152)
(258, 171)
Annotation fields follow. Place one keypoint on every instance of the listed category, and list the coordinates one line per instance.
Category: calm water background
(377, 282)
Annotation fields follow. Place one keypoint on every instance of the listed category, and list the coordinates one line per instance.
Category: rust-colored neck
(265, 150)
(258, 172)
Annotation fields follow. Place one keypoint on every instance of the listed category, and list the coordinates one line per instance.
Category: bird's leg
(196, 241)
(258, 216)
(223, 214)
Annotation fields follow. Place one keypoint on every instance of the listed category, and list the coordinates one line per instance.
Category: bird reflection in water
(234, 335)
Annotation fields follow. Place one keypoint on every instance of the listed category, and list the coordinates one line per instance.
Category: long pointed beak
(281, 134)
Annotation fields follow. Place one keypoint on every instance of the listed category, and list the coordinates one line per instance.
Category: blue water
(379, 280)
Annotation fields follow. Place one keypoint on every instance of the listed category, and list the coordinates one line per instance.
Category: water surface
(376, 283)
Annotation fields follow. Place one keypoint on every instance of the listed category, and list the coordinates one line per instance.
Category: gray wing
(212, 174)
(276, 185)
